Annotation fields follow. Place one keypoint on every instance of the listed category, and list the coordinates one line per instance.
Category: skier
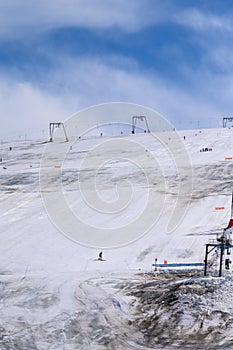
(100, 256)
(227, 264)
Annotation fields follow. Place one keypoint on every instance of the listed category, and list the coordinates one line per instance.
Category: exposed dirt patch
(180, 312)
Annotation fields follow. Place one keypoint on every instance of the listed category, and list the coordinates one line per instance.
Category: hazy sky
(59, 56)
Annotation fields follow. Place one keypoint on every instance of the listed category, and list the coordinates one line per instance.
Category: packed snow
(56, 294)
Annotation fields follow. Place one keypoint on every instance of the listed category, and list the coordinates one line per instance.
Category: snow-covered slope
(30, 241)
(41, 267)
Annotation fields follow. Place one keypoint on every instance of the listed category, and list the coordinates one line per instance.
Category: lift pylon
(141, 118)
(223, 243)
(226, 120)
(53, 126)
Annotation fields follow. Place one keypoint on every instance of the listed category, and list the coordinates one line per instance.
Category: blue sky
(60, 56)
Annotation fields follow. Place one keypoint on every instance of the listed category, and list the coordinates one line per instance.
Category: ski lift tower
(223, 243)
(53, 126)
(141, 118)
(226, 120)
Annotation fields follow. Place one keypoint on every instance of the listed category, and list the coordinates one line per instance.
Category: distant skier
(100, 256)
(227, 264)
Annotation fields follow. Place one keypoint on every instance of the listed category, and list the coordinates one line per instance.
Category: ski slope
(31, 241)
(50, 281)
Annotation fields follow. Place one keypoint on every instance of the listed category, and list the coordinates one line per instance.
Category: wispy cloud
(24, 18)
(88, 82)
(26, 110)
(172, 56)
(203, 20)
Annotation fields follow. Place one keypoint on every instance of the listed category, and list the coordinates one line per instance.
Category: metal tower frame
(225, 120)
(53, 126)
(224, 242)
(141, 118)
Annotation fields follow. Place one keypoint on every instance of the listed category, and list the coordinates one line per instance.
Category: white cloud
(203, 21)
(20, 18)
(97, 81)
(23, 18)
(81, 82)
(28, 109)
